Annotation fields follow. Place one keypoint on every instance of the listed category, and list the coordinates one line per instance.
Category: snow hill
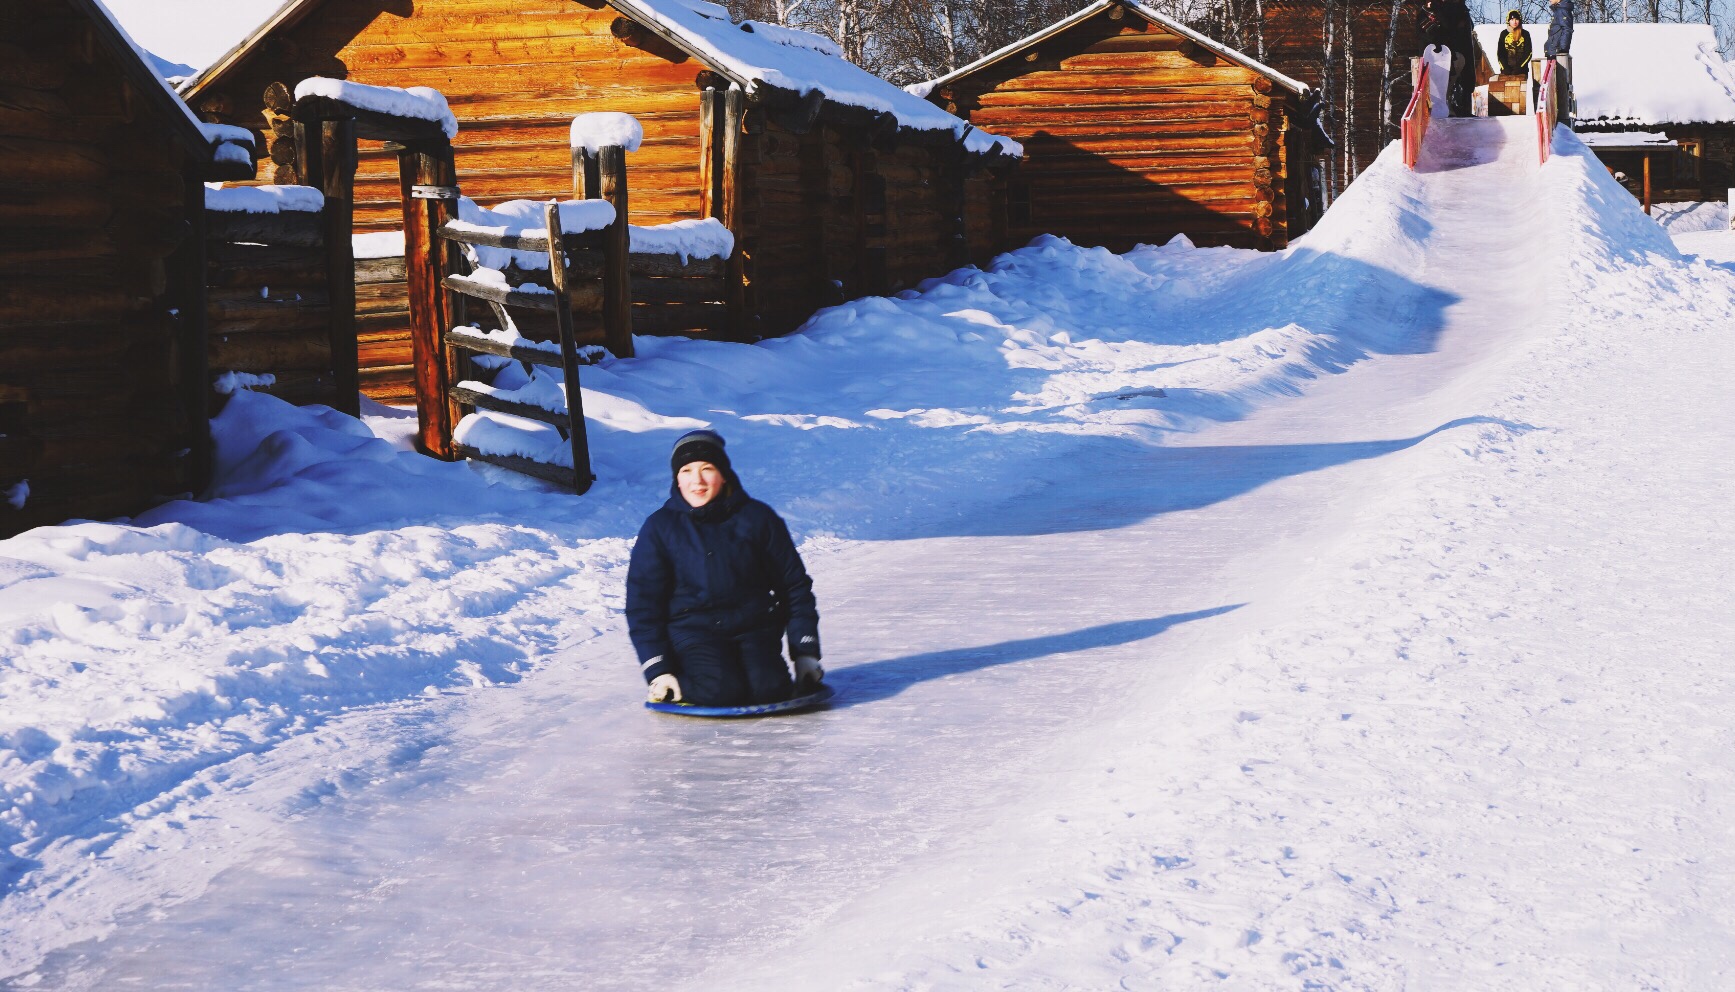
(1353, 616)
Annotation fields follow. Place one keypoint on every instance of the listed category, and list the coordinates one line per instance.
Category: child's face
(700, 482)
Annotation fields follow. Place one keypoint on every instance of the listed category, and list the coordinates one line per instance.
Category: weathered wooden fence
(270, 304)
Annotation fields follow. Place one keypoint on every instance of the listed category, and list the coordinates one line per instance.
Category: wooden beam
(617, 290)
(581, 473)
(734, 112)
(339, 157)
(427, 260)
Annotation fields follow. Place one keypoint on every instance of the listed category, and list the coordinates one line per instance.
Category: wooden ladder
(561, 248)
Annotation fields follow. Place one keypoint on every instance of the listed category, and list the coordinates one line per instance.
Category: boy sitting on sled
(714, 585)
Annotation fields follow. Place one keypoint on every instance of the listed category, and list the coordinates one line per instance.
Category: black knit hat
(700, 446)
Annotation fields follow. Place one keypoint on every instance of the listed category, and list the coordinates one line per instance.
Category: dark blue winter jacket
(1559, 31)
(715, 571)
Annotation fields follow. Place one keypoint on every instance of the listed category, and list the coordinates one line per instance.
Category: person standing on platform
(1515, 50)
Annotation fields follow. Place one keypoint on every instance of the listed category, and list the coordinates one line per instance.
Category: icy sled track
(1354, 617)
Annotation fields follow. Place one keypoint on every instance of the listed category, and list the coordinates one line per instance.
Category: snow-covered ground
(1339, 618)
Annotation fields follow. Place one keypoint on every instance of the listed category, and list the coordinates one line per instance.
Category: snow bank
(706, 238)
(1692, 216)
(263, 199)
(596, 131)
(421, 103)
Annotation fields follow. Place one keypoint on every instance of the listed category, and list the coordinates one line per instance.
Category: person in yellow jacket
(1514, 46)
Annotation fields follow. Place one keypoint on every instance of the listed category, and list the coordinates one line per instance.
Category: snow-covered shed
(834, 182)
(102, 295)
(1662, 79)
(1136, 128)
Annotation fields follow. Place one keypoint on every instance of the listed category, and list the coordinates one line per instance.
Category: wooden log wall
(268, 303)
(1134, 134)
(515, 72)
(101, 411)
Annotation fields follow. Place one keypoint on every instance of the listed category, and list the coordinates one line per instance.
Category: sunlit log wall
(1134, 133)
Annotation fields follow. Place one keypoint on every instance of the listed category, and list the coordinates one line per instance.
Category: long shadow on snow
(877, 680)
(1135, 482)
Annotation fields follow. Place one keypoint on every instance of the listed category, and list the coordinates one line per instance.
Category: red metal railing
(1547, 112)
(1415, 124)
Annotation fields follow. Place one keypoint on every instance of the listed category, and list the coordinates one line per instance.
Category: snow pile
(263, 199)
(1626, 139)
(420, 103)
(231, 145)
(781, 58)
(706, 238)
(1640, 74)
(1692, 216)
(228, 382)
(378, 244)
(525, 218)
(595, 131)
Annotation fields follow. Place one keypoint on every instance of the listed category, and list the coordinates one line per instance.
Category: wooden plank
(376, 271)
(488, 346)
(563, 477)
(582, 477)
(674, 318)
(505, 296)
(295, 228)
(270, 351)
(732, 212)
(648, 290)
(485, 401)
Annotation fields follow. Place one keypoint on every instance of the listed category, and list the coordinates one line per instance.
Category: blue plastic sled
(808, 701)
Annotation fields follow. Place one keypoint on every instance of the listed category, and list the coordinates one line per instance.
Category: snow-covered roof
(1640, 74)
(141, 65)
(1627, 140)
(757, 57)
(1150, 14)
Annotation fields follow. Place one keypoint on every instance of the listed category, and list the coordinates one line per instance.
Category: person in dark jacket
(714, 586)
(1559, 29)
(1515, 47)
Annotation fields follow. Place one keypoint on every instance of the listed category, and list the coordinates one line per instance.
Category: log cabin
(835, 183)
(103, 389)
(1136, 128)
(1656, 102)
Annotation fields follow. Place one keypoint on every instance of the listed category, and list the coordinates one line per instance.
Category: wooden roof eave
(1156, 17)
(285, 16)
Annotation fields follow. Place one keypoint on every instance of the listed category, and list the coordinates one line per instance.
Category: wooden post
(735, 289)
(309, 146)
(558, 272)
(710, 176)
(617, 285)
(340, 158)
(187, 272)
(586, 180)
(427, 174)
(1647, 182)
